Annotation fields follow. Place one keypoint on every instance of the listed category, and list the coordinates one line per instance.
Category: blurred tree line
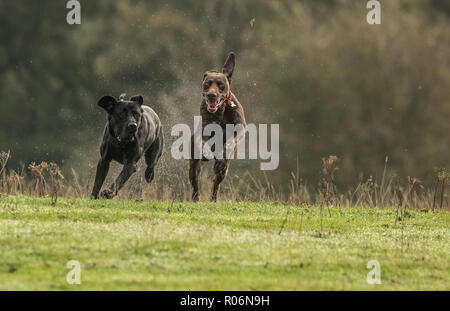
(334, 83)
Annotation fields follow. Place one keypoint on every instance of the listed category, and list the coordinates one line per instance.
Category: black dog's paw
(149, 174)
(107, 194)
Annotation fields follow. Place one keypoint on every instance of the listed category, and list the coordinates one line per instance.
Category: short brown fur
(216, 89)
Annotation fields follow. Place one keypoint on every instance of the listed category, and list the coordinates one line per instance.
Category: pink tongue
(212, 104)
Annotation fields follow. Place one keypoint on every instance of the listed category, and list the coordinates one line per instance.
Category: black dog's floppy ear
(228, 67)
(138, 98)
(107, 103)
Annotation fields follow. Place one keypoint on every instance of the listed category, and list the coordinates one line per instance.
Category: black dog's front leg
(127, 171)
(100, 175)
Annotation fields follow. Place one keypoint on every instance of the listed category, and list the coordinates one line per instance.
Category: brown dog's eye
(206, 86)
(221, 87)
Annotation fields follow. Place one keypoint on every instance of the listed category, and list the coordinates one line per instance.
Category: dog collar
(230, 96)
(229, 100)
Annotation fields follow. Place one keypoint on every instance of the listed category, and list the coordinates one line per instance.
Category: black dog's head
(216, 85)
(124, 116)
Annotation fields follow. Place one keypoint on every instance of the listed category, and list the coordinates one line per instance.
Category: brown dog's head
(216, 85)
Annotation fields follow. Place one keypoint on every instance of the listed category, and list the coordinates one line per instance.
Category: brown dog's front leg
(194, 172)
(127, 171)
(220, 169)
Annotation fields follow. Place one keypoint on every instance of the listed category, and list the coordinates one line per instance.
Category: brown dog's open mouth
(212, 106)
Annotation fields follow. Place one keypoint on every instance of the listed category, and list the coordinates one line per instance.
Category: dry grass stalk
(327, 188)
(47, 180)
(442, 180)
(4, 157)
(48, 177)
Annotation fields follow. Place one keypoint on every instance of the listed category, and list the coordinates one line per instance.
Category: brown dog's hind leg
(221, 170)
(194, 172)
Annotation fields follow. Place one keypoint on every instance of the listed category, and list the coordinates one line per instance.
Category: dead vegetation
(328, 194)
(442, 181)
(46, 180)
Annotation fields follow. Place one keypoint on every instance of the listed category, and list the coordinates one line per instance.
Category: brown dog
(219, 106)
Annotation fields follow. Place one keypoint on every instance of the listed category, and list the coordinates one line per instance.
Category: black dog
(132, 130)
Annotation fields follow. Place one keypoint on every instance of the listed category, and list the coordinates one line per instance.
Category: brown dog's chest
(217, 118)
(229, 115)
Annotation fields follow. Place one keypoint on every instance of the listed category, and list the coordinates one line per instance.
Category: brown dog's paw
(107, 194)
(207, 153)
(220, 166)
(149, 174)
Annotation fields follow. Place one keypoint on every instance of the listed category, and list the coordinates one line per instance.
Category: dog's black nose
(132, 127)
(211, 97)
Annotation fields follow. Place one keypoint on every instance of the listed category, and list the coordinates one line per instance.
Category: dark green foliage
(335, 84)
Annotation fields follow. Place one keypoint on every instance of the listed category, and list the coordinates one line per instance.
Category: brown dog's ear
(107, 103)
(228, 67)
(204, 75)
(138, 98)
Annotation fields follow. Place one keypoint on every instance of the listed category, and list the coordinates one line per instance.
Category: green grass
(129, 245)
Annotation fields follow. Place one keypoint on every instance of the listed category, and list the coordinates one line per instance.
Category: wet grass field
(150, 245)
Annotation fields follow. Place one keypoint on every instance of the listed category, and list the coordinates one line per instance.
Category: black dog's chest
(124, 152)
